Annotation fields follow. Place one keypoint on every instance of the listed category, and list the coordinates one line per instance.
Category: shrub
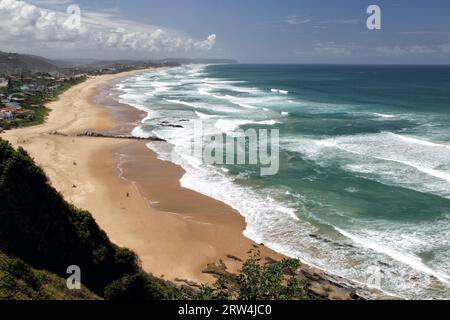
(140, 286)
(274, 281)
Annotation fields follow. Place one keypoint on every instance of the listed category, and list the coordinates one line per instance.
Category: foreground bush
(278, 280)
(18, 281)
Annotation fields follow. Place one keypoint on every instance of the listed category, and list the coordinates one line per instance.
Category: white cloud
(347, 21)
(341, 21)
(408, 50)
(445, 48)
(350, 49)
(416, 32)
(27, 25)
(50, 2)
(293, 20)
(332, 49)
(206, 44)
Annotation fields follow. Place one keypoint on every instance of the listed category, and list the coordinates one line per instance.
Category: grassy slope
(18, 281)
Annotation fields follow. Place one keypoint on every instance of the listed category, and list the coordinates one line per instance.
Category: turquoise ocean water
(364, 180)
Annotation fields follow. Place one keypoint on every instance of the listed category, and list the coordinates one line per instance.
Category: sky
(251, 31)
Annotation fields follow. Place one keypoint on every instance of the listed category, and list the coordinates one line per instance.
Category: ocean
(363, 187)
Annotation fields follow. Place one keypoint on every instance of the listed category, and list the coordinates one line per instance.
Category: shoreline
(135, 197)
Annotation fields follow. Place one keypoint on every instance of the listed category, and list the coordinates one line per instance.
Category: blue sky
(267, 31)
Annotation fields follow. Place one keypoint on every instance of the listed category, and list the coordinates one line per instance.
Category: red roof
(8, 109)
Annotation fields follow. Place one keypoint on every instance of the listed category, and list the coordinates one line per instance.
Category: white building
(3, 83)
(7, 115)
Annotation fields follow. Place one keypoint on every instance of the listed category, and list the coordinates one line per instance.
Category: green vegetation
(36, 103)
(141, 286)
(6, 125)
(277, 280)
(18, 281)
(40, 113)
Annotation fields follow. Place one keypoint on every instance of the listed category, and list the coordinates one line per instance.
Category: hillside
(14, 62)
(19, 281)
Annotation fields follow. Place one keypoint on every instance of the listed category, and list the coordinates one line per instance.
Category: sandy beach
(135, 197)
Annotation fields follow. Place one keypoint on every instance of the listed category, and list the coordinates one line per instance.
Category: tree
(277, 280)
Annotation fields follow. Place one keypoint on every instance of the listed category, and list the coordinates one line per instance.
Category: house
(3, 83)
(77, 76)
(18, 99)
(24, 113)
(11, 104)
(38, 89)
(7, 114)
(15, 94)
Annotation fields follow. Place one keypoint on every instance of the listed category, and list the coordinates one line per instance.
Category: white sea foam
(141, 133)
(160, 86)
(229, 125)
(430, 171)
(203, 116)
(375, 154)
(234, 100)
(189, 104)
(204, 91)
(411, 260)
(219, 81)
(279, 91)
(382, 115)
(226, 86)
(421, 142)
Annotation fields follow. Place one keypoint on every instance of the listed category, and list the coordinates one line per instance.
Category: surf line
(279, 91)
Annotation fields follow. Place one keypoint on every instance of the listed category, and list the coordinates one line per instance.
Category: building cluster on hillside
(18, 90)
(22, 90)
